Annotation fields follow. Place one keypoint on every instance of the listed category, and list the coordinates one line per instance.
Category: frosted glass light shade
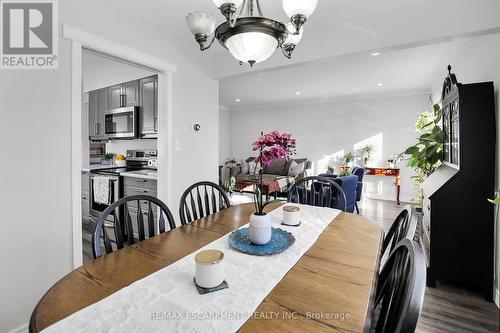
(250, 47)
(291, 38)
(299, 7)
(236, 3)
(201, 23)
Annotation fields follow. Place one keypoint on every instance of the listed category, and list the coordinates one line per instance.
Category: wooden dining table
(330, 289)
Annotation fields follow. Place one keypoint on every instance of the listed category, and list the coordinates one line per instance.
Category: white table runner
(167, 300)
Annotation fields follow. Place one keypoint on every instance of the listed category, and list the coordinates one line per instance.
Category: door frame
(84, 40)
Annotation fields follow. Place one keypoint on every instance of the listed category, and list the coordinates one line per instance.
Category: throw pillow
(244, 167)
(296, 169)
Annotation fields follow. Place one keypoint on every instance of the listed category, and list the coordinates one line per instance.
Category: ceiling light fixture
(380, 84)
(248, 35)
(298, 93)
(374, 54)
(238, 100)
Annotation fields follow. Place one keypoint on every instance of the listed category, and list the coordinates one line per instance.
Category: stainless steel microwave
(121, 123)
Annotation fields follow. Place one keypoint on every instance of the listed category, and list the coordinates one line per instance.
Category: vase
(260, 230)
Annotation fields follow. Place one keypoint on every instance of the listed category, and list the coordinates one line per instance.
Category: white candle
(209, 268)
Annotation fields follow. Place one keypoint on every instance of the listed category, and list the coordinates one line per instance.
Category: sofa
(277, 171)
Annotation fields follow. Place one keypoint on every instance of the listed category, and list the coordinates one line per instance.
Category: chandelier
(247, 34)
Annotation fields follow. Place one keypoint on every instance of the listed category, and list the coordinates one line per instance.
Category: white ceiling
(332, 60)
(399, 72)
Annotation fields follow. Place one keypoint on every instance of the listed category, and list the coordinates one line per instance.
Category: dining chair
(202, 199)
(122, 216)
(404, 226)
(400, 290)
(318, 191)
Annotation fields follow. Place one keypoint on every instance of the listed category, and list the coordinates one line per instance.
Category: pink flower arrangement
(274, 146)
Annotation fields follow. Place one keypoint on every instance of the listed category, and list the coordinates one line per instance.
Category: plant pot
(260, 230)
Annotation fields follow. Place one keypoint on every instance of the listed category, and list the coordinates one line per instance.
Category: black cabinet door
(148, 88)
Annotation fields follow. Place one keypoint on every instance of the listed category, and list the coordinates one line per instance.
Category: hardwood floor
(446, 308)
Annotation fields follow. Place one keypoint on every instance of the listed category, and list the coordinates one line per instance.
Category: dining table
(330, 288)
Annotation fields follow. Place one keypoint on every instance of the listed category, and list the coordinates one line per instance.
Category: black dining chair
(404, 226)
(139, 211)
(400, 290)
(318, 191)
(202, 199)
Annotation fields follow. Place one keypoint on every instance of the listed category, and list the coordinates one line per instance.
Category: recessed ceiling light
(298, 93)
(374, 54)
(380, 84)
(238, 100)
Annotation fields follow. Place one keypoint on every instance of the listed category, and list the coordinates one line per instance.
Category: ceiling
(333, 59)
(405, 71)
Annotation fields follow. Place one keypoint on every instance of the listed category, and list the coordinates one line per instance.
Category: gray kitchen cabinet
(93, 111)
(148, 92)
(125, 94)
(98, 104)
(85, 196)
(115, 96)
(130, 92)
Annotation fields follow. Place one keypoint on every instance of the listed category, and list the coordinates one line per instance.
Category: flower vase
(260, 230)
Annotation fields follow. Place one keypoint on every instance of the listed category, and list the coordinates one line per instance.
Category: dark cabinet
(148, 91)
(98, 105)
(458, 221)
(125, 94)
(142, 93)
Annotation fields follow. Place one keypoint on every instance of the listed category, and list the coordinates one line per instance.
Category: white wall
(224, 139)
(99, 71)
(35, 114)
(324, 129)
(476, 63)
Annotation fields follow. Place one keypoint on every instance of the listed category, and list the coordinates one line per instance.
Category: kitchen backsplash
(121, 146)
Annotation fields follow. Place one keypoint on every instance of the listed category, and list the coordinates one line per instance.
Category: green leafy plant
(345, 173)
(229, 184)
(496, 200)
(349, 157)
(231, 162)
(330, 169)
(109, 156)
(427, 154)
(367, 150)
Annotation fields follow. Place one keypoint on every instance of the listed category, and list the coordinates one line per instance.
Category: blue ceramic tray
(280, 241)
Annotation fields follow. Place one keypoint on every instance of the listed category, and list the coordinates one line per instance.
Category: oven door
(96, 208)
(121, 123)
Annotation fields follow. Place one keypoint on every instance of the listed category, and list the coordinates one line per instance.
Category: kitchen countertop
(143, 174)
(98, 167)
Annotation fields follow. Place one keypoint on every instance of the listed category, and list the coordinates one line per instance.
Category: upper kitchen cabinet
(123, 95)
(98, 105)
(115, 96)
(148, 92)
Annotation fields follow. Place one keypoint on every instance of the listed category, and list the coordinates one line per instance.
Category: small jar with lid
(209, 268)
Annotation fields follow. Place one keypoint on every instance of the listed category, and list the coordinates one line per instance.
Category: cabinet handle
(141, 180)
(156, 124)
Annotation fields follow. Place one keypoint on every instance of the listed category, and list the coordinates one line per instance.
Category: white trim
(76, 152)
(126, 53)
(21, 329)
(497, 297)
(81, 39)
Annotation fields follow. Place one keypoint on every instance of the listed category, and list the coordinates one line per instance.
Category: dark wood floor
(446, 308)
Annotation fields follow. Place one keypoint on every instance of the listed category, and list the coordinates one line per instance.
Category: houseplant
(348, 158)
(229, 185)
(366, 152)
(231, 162)
(272, 146)
(427, 154)
(108, 159)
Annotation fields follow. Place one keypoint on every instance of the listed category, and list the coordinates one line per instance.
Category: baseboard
(21, 329)
(497, 297)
